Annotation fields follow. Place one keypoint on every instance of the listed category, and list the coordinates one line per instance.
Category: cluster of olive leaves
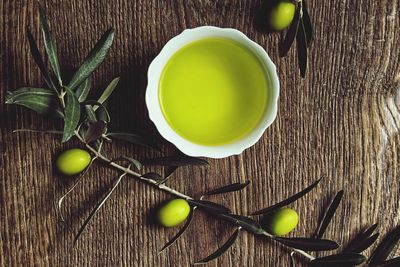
(87, 120)
(300, 29)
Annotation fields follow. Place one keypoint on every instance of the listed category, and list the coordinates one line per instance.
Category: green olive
(282, 222)
(281, 15)
(73, 161)
(173, 213)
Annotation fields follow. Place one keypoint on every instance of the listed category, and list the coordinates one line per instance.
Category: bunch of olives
(174, 212)
(74, 161)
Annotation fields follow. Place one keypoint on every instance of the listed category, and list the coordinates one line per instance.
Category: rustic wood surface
(341, 122)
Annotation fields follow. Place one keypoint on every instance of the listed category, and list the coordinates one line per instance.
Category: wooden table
(341, 122)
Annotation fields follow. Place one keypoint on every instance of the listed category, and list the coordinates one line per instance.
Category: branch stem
(131, 172)
(294, 250)
(169, 189)
(61, 97)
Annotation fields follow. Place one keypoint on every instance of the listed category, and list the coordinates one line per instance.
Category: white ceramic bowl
(154, 108)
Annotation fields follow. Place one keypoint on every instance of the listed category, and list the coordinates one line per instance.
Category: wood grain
(341, 122)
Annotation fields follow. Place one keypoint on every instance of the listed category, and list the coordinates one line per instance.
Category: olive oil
(213, 91)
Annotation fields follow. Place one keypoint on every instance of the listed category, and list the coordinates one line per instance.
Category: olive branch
(87, 120)
(300, 29)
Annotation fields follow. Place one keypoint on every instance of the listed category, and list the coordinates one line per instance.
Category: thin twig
(98, 207)
(37, 131)
(60, 201)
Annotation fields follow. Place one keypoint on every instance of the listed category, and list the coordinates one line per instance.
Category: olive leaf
(50, 46)
(92, 116)
(342, 259)
(95, 131)
(329, 214)
(365, 244)
(39, 61)
(170, 171)
(181, 231)
(72, 115)
(103, 114)
(302, 48)
(385, 247)
(361, 240)
(222, 249)
(308, 244)
(168, 174)
(138, 165)
(93, 60)
(108, 91)
(291, 33)
(287, 201)
(37, 99)
(370, 230)
(135, 162)
(83, 89)
(228, 188)
(134, 139)
(98, 206)
(244, 222)
(180, 160)
(210, 206)
(307, 22)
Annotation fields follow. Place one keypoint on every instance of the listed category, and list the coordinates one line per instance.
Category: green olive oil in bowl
(213, 91)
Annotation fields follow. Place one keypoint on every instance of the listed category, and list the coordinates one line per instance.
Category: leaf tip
(75, 241)
(41, 10)
(65, 138)
(110, 32)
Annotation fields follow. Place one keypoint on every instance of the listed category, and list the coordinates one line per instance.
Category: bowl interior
(157, 66)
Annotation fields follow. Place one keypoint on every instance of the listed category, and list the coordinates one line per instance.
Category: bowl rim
(153, 106)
